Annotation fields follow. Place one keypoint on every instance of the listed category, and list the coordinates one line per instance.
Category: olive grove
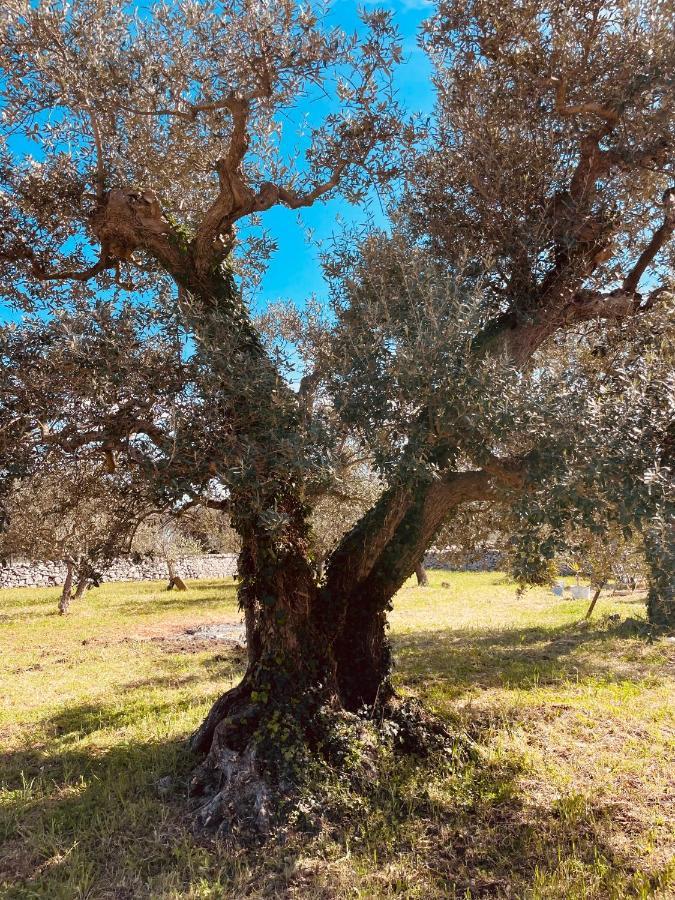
(69, 512)
(534, 211)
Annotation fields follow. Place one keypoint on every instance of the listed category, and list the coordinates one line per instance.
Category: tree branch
(270, 194)
(659, 238)
(235, 196)
(98, 143)
(589, 108)
(105, 262)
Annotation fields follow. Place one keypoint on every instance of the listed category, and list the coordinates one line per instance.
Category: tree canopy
(491, 345)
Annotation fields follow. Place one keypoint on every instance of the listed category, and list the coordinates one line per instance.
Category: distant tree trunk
(422, 577)
(66, 593)
(175, 581)
(81, 588)
(594, 600)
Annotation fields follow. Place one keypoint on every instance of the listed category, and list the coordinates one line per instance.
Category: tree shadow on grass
(487, 840)
(73, 813)
(521, 658)
(93, 819)
(224, 596)
(81, 821)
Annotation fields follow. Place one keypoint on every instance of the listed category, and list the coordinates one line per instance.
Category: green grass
(571, 795)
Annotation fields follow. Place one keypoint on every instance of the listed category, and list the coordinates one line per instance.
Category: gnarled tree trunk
(259, 736)
(319, 657)
(659, 543)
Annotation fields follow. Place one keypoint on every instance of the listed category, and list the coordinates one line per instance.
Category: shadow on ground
(81, 821)
(523, 658)
(99, 810)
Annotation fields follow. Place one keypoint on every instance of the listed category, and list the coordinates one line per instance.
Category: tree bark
(660, 554)
(422, 577)
(589, 612)
(659, 544)
(287, 645)
(82, 585)
(410, 518)
(66, 593)
(263, 733)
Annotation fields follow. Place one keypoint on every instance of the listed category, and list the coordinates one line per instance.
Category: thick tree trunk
(66, 593)
(363, 655)
(310, 699)
(319, 659)
(260, 737)
(411, 519)
(422, 577)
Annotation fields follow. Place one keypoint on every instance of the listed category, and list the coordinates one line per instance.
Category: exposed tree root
(265, 762)
(202, 739)
(233, 798)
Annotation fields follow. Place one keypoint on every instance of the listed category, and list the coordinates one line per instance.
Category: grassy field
(572, 794)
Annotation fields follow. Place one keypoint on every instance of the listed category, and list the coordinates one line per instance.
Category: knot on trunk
(125, 220)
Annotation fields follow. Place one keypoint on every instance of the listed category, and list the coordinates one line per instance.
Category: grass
(572, 795)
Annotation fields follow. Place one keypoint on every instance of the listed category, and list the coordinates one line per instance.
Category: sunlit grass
(571, 795)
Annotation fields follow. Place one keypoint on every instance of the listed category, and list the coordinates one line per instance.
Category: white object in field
(581, 592)
(558, 589)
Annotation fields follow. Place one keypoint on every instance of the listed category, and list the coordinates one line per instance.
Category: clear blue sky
(294, 271)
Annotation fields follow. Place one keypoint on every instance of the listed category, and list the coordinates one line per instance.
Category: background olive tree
(70, 514)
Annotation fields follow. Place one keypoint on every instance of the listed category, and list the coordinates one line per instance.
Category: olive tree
(162, 536)
(539, 203)
(70, 514)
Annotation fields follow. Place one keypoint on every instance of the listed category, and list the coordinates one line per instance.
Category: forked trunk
(318, 675)
(316, 655)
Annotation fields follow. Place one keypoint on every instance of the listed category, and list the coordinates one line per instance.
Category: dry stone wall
(44, 574)
(490, 560)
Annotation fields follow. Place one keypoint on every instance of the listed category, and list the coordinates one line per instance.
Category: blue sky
(294, 272)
